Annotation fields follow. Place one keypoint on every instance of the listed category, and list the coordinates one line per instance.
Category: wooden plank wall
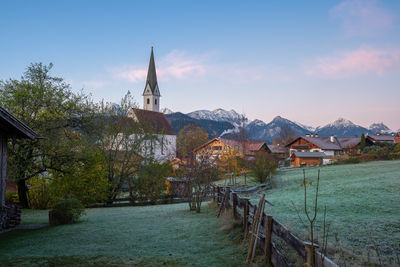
(3, 170)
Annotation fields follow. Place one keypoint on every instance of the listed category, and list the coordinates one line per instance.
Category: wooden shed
(299, 159)
(10, 127)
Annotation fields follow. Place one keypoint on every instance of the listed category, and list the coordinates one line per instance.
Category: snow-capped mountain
(220, 122)
(166, 111)
(218, 115)
(341, 127)
(308, 128)
(260, 131)
(379, 128)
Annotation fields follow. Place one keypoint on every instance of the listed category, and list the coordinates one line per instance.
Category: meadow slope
(362, 201)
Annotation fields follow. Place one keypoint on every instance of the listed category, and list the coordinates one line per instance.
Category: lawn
(146, 236)
(362, 200)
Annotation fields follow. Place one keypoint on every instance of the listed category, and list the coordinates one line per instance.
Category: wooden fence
(242, 209)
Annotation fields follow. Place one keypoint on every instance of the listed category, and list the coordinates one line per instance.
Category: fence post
(218, 194)
(310, 256)
(234, 208)
(268, 235)
(228, 196)
(213, 193)
(246, 217)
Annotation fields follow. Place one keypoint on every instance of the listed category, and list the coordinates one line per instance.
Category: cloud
(176, 64)
(364, 60)
(363, 17)
(93, 84)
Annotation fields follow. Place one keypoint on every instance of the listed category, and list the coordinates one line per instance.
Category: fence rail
(227, 197)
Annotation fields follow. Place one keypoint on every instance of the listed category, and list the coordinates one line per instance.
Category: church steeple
(151, 93)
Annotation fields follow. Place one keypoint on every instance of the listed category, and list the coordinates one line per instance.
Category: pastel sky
(308, 61)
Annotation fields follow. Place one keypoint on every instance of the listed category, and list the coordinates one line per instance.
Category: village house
(299, 159)
(163, 147)
(332, 147)
(219, 148)
(397, 137)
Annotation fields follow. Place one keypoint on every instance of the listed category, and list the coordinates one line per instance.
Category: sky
(308, 61)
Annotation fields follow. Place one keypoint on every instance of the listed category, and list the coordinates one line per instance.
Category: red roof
(155, 121)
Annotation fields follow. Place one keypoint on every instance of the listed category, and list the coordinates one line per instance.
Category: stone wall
(10, 216)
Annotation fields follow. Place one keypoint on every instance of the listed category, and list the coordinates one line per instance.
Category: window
(148, 101)
(217, 147)
(155, 101)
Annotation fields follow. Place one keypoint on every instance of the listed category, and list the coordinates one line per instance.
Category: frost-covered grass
(144, 236)
(362, 200)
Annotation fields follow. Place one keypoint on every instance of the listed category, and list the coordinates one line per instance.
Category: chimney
(332, 138)
(308, 135)
(316, 135)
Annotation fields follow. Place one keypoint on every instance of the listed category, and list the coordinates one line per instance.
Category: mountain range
(223, 123)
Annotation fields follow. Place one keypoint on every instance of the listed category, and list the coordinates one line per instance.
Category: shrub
(11, 197)
(150, 183)
(40, 195)
(262, 166)
(352, 160)
(66, 211)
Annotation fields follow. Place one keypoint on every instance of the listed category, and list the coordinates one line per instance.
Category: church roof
(151, 74)
(156, 121)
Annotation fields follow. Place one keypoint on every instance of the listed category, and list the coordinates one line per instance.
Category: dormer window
(148, 101)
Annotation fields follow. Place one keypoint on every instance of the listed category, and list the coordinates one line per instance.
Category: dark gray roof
(325, 143)
(10, 126)
(277, 149)
(151, 74)
(382, 138)
(309, 154)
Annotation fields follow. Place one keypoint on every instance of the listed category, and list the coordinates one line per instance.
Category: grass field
(145, 236)
(362, 200)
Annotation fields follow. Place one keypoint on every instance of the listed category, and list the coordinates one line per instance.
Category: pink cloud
(363, 18)
(176, 64)
(357, 62)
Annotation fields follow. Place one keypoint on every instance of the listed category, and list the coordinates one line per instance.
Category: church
(163, 147)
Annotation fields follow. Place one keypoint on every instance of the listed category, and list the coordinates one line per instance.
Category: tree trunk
(22, 194)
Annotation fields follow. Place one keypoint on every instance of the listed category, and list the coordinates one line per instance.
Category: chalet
(299, 159)
(163, 148)
(218, 148)
(333, 147)
(10, 127)
(397, 137)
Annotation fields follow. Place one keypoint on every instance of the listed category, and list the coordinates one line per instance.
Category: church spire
(151, 93)
(151, 74)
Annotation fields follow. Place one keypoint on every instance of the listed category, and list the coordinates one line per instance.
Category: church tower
(151, 93)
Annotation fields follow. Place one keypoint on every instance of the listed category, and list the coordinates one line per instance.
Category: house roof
(10, 126)
(154, 121)
(381, 138)
(309, 154)
(277, 149)
(249, 147)
(151, 74)
(325, 143)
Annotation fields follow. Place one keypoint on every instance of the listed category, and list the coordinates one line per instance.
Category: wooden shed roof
(10, 126)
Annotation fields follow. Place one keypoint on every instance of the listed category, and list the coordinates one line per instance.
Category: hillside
(362, 204)
(213, 128)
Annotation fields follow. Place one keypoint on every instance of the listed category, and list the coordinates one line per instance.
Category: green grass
(362, 200)
(146, 236)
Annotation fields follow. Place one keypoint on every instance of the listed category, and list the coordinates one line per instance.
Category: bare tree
(286, 134)
(200, 173)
